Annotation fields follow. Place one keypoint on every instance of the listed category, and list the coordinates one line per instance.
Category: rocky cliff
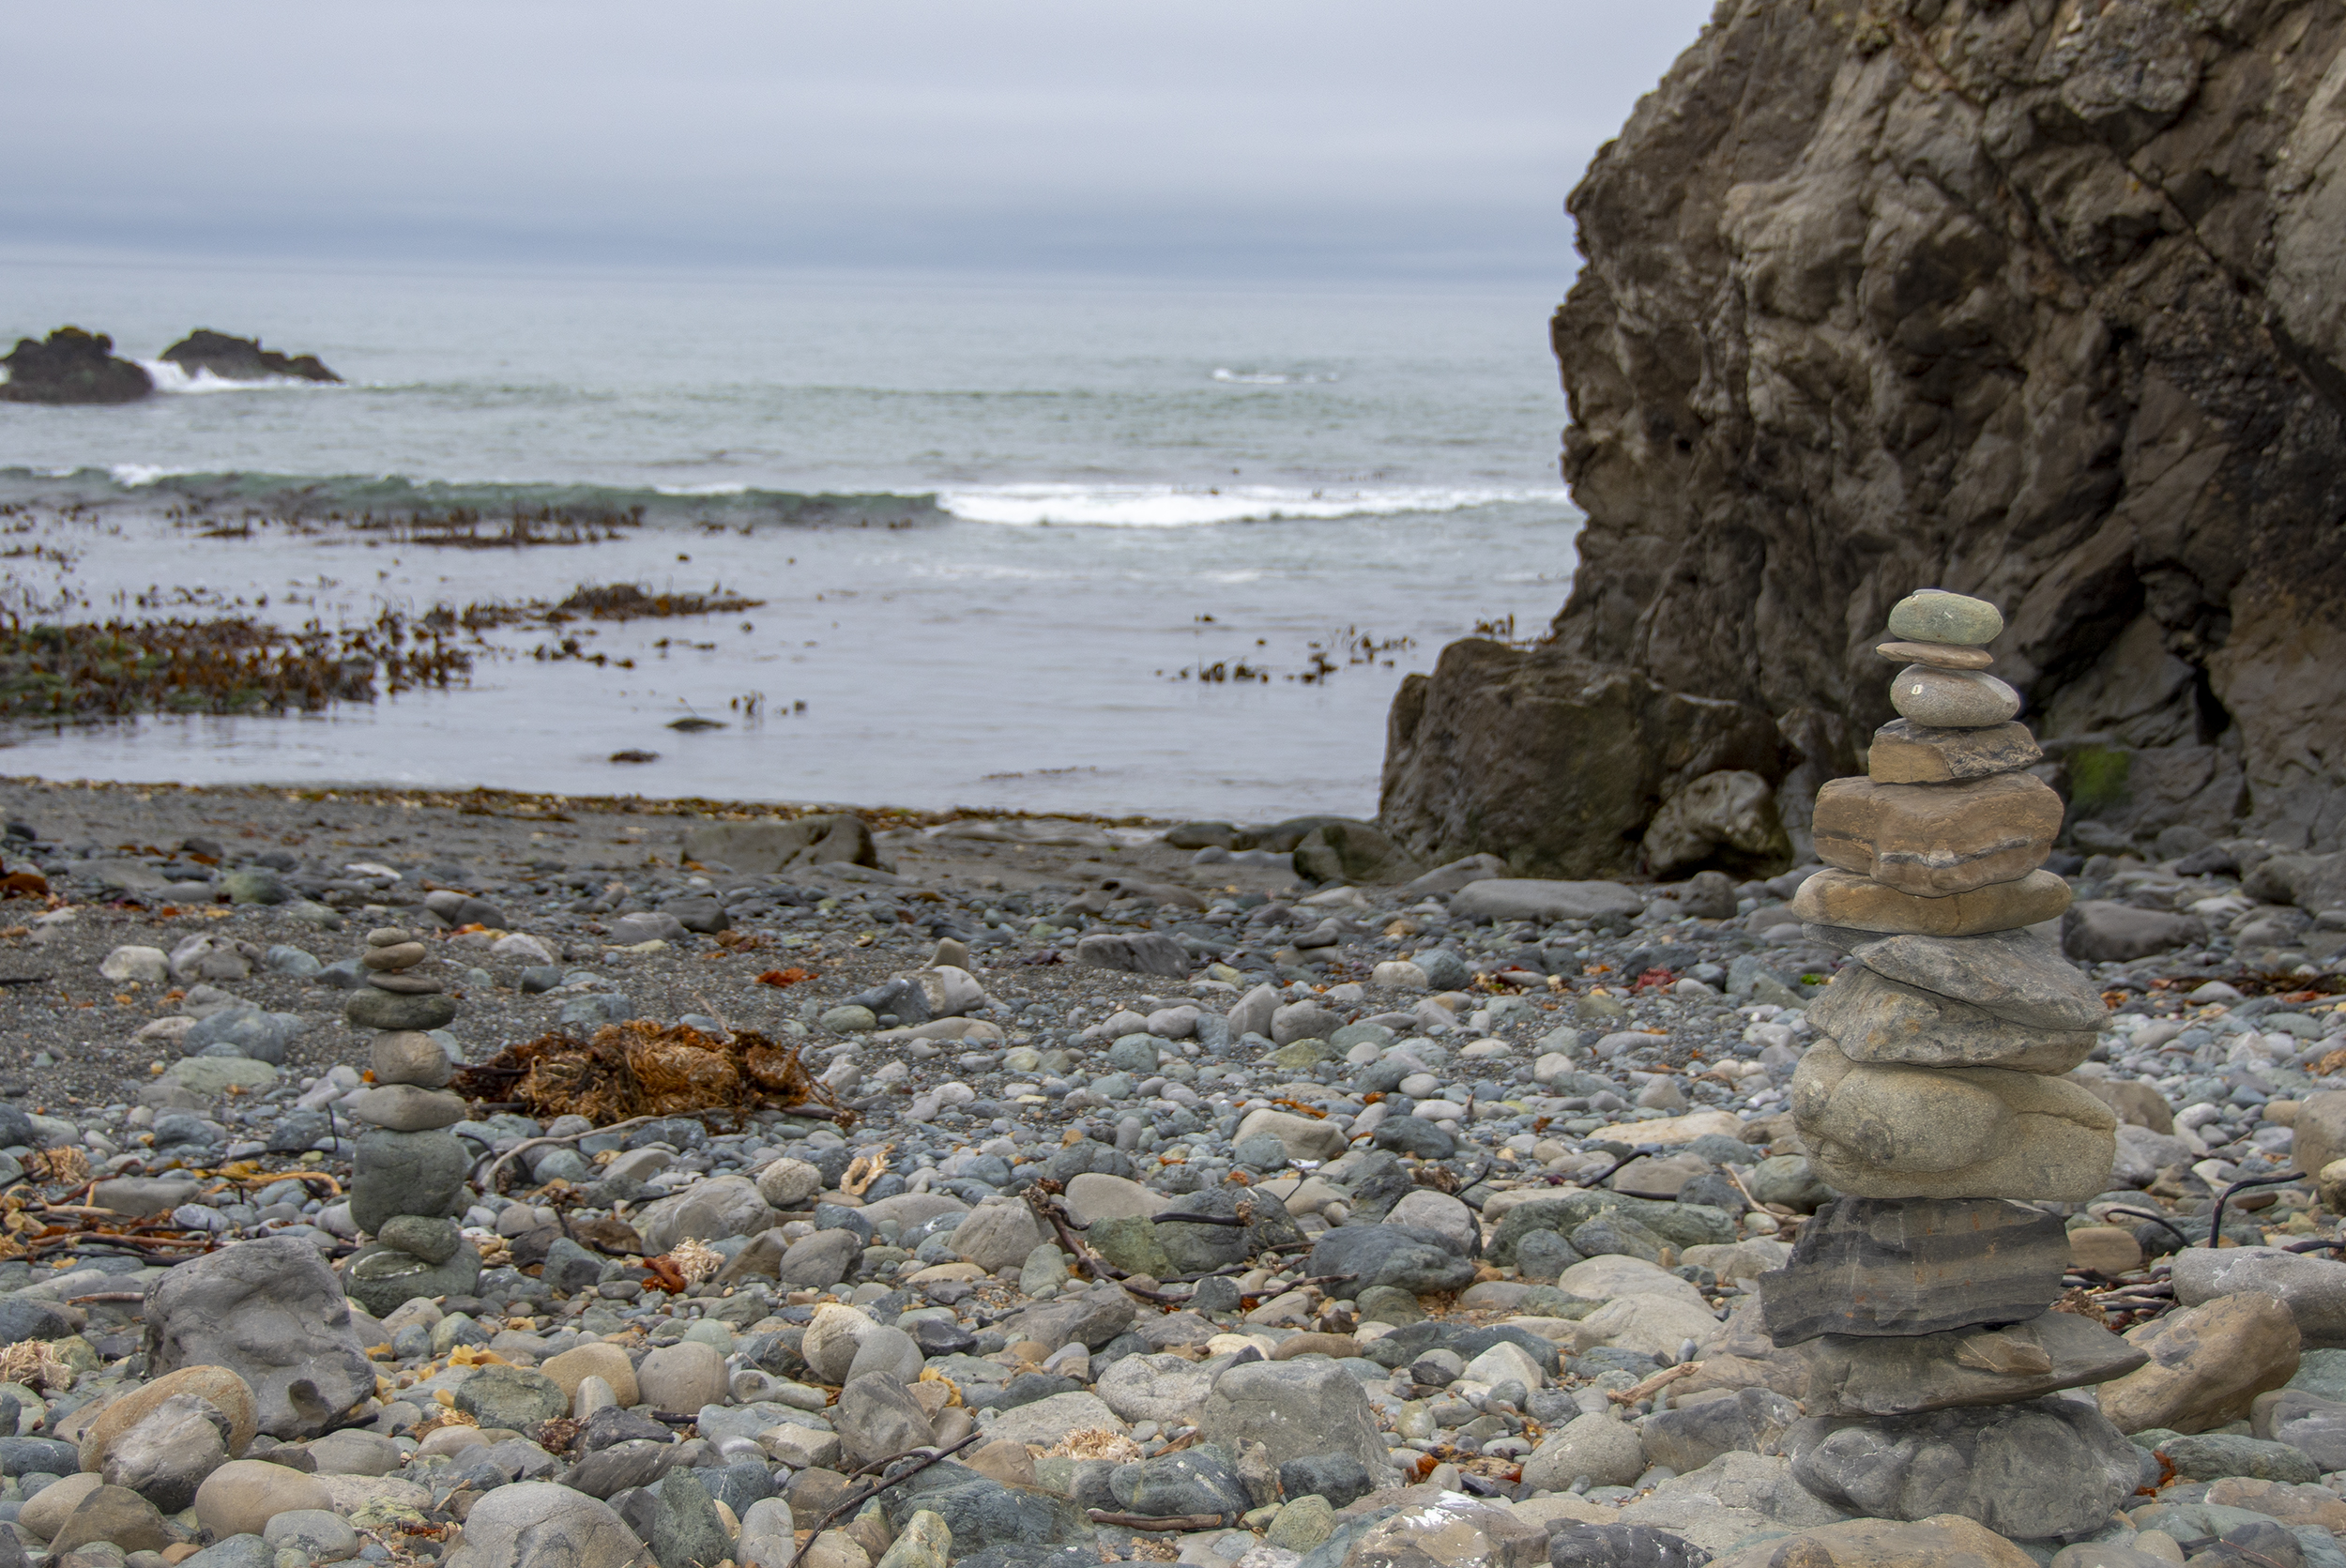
(2040, 301)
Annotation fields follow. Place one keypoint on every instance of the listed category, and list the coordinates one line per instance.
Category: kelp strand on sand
(642, 1069)
(233, 664)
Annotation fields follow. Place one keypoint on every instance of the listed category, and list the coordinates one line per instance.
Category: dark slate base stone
(1915, 1265)
(2030, 1472)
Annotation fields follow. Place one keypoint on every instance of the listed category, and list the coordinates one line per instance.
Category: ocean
(996, 532)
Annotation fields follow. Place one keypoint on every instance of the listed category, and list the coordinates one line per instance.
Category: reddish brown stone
(1935, 840)
(1939, 656)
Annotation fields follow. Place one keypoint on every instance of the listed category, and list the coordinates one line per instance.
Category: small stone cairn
(1935, 1102)
(407, 1179)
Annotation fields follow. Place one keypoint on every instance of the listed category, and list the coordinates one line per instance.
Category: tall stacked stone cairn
(1935, 1102)
(407, 1179)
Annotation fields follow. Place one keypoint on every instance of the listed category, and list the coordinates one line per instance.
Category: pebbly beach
(728, 1184)
(691, 920)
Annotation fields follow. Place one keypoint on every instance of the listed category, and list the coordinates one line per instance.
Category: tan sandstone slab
(1936, 840)
(1861, 904)
(1938, 656)
(1888, 1130)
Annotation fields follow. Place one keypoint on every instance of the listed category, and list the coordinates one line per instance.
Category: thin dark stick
(2215, 1216)
(1090, 1262)
(2154, 1219)
(851, 1503)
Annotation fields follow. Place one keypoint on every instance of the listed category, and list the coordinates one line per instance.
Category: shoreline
(539, 806)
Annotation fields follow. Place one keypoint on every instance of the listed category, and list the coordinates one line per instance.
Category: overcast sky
(1239, 138)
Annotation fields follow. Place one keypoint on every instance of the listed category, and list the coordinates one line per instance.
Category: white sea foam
(1267, 378)
(137, 476)
(173, 379)
(1168, 506)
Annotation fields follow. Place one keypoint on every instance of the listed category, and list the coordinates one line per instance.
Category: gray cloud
(1214, 136)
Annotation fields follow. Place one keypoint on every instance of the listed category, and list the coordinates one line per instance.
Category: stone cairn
(1936, 1103)
(407, 1179)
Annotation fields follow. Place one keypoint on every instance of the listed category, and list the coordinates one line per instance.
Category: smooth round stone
(319, 1534)
(435, 1240)
(409, 1057)
(1935, 615)
(242, 1495)
(387, 936)
(372, 1009)
(1952, 699)
(399, 955)
(404, 1108)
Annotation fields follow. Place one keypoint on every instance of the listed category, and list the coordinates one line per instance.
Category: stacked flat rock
(407, 1179)
(1935, 1099)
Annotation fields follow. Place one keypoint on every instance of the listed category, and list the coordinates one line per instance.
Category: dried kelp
(643, 1068)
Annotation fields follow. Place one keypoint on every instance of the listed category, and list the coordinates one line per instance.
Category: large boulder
(271, 1312)
(1552, 763)
(764, 847)
(2014, 276)
(1344, 851)
(71, 366)
(242, 358)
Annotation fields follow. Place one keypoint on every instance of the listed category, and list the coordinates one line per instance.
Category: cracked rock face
(2042, 306)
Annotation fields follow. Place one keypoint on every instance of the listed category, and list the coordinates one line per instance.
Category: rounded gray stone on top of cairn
(1934, 1101)
(407, 1179)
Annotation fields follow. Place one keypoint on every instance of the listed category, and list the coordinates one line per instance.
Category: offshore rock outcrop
(242, 358)
(71, 366)
(2035, 299)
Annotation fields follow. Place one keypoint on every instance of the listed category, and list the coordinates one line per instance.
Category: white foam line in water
(1166, 506)
(137, 476)
(172, 378)
(1268, 378)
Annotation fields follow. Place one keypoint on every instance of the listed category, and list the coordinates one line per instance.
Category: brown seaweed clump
(231, 664)
(643, 1068)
